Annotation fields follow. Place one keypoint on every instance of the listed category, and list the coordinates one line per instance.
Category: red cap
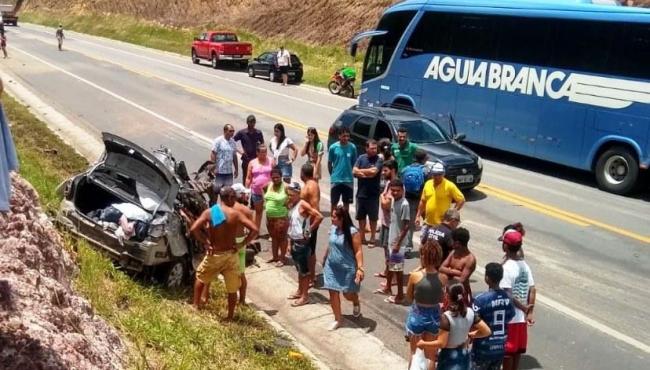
(512, 237)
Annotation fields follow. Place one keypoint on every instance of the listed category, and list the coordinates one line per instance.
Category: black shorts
(367, 207)
(312, 242)
(283, 70)
(344, 192)
(300, 254)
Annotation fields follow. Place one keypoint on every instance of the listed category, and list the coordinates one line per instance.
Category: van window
(362, 126)
(382, 130)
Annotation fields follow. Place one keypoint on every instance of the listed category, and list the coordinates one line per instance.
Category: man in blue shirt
(495, 308)
(341, 159)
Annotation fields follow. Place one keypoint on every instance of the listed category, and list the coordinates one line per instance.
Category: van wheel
(617, 170)
(215, 61)
(175, 274)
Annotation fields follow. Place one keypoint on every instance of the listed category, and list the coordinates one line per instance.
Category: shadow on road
(368, 325)
(474, 195)
(553, 170)
(528, 362)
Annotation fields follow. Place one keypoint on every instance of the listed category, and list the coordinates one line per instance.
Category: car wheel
(175, 274)
(272, 76)
(617, 170)
(195, 59)
(251, 71)
(215, 61)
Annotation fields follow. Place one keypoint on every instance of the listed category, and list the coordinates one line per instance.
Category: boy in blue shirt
(341, 159)
(495, 308)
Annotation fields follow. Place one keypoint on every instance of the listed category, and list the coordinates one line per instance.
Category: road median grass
(320, 61)
(163, 331)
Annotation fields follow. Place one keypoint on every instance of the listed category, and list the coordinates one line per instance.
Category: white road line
(211, 75)
(544, 300)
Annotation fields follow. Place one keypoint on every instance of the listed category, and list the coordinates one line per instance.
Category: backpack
(413, 178)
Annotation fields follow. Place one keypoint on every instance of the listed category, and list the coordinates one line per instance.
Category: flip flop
(380, 291)
(380, 275)
(297, 304)
(279, 264)
(371, 244)
(272, 260)
(294, 296)
(392, 300)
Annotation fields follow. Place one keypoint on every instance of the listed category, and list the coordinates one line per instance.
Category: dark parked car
(136, 206)
(266, 65)
(463, 166)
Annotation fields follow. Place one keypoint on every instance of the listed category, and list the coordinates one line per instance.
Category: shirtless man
(461, 263)
(221, 222)
(310, 193)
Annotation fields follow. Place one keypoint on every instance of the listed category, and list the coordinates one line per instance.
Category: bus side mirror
(353, 50)
(460, 137)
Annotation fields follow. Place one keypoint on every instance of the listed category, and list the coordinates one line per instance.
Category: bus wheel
(617, 170)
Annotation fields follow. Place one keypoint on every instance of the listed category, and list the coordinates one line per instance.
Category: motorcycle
(339, 85)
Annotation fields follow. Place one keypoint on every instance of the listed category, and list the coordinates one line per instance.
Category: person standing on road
(303, 221)
(442, 232)
(368, 172)
(59, 37)
(461, 263)
(250, 138)
(403, 150)
(425, 290)
(311, 194)
(224, 155)
(284, 152)
(314, 150)
(257, 179)
(221, 222)
(457, 326)
(242, 206)
(399, 227)
(284, 62)
(342, 156)
(275, 204)
(413, 177)
(3, 44)
(519, 284)
(388, 174)
(343, 265)
(438, 195)
(496, 309)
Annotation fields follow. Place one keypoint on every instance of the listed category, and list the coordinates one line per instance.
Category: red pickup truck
(219, 47)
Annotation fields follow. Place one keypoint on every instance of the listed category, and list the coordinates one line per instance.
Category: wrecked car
(136, 206)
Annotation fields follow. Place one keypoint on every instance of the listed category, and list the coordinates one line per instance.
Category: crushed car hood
(141, 166)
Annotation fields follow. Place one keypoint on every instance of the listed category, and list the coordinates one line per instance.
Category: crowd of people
(398, 191)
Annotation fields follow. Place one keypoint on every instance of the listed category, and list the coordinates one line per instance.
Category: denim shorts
(423, 319)
(396, 261)
(285, 167)
(257, 198)
(300, 251)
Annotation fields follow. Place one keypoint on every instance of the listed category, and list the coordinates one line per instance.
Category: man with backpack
(413, 176)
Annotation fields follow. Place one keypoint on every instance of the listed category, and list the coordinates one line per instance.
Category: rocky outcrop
(43, 323)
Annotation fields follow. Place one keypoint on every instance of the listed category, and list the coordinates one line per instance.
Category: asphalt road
(589, 250)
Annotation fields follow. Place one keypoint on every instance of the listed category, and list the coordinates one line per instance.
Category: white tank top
(297, 223)
(459, 328)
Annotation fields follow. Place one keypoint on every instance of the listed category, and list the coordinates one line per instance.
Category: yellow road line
(559, 213)
(499, 193)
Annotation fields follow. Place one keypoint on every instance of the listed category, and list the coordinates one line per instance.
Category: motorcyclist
(348, 73)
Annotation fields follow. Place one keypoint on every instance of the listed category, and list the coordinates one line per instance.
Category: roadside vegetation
(320, 62)
(163, 331)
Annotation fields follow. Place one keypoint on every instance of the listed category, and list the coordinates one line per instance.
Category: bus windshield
(422, 131)
(382, 47)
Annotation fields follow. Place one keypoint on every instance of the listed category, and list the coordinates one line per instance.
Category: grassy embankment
(319, 61)
(165, 332)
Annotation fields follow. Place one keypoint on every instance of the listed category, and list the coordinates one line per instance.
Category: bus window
(430, 36)
(473, 36)
(583, 45)
(382, 47)
(631, 55)
(523, 41)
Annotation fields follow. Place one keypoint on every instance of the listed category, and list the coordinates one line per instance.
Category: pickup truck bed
(221, 47)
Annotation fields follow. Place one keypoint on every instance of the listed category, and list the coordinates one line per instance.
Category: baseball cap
(512, 237)
(294, 186)
(240, 189)
(437, 169)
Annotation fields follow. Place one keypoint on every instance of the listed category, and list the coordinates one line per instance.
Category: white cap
(438, 169)
(240, 189)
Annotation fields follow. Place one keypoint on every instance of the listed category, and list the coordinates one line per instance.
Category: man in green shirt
(403, 150)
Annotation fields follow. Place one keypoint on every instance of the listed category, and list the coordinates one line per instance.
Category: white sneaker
(356, 310)
(334, 325)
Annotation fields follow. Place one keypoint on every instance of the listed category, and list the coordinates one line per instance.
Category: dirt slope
(315, 21)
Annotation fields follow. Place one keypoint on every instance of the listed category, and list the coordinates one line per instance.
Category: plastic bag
(419, 361)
